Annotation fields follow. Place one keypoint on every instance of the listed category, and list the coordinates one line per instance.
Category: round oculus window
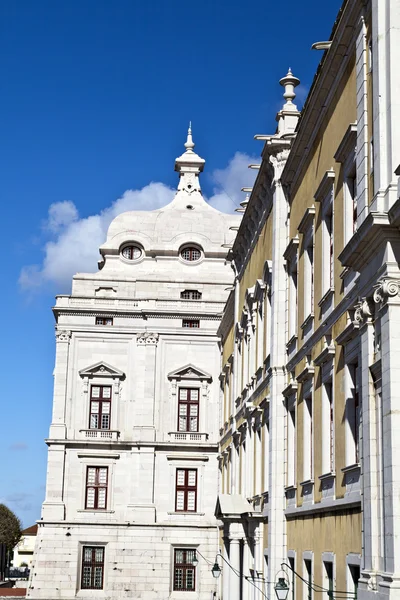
(190, 254)
(131, 252)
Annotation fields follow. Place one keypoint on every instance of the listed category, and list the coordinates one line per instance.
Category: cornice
(348, 144)
(330, 71)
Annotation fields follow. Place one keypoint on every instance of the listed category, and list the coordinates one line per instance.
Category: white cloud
(229, 182)
(74, 242)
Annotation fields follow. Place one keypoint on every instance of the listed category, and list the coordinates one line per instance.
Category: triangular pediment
(101, 369)
(189, 372)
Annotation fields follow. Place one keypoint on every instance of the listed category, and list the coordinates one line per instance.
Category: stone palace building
(228, 389)
(132, 468)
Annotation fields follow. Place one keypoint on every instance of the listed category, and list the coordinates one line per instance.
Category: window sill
(95, 511)
(184, 513)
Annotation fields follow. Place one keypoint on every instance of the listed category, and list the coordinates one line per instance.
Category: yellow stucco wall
(336, 533)
(255, 267)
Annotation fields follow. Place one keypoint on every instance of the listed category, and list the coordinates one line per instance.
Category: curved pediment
(101, 369)
(189, 372)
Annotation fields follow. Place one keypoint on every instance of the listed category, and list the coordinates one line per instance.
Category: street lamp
(216, 570)
(195, 561)
(281, 589)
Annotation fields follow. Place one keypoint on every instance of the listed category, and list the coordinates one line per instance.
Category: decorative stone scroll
(147, 339)
(63, 336)
(362, 312)
(385, 289)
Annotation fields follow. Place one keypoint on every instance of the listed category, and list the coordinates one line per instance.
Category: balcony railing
(123, 304)
(100, 434)
(188, 436)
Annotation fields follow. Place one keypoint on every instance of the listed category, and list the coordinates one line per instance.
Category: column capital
(63, 335)
(387, 289)
(147, 339)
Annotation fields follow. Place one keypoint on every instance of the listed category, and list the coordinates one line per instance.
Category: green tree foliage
(10, 527)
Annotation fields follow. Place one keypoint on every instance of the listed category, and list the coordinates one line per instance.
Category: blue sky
(96, 99)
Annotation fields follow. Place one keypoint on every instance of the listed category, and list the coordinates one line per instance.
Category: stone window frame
(325, 197)
(189, 376)
(98, 459)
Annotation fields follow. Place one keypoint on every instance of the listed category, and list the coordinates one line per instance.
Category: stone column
(387, 296)
(58, 428)
(235, 581)
(276, 504)
(225, 575)
(368, 442)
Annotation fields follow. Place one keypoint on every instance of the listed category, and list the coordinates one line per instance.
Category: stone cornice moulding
(332, 67)
(307, 220)
(325, 188)
(348, 144)
(291, 250)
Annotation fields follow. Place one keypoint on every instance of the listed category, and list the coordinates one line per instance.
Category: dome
(187, 219)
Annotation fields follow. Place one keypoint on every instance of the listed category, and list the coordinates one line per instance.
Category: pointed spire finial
(189, 142)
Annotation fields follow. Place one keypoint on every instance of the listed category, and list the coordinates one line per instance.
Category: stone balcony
(188, 436)
(99, 434)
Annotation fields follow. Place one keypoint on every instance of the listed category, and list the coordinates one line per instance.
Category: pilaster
(58, 429)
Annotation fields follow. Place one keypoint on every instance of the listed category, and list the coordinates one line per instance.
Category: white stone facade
(122, 331)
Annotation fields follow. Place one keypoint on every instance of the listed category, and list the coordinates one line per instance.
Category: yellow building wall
(341, 114)
(337, 533)
(255, 267)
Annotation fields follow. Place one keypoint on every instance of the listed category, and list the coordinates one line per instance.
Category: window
(191, 323)
(131, 252)
(292, 564)
(100, 407)
(190, 254)
(308, 439)
(92, 568)
(291, 442)
(352, 414)
(191, 295)
(184, 571)
(308, 578)
(354, 577)
(328, 429)
(309, 278)
(328, 578)
(188, 409)
(104, 320)
(186, 490)
(327, 250)
(293, 302)
(96, 487)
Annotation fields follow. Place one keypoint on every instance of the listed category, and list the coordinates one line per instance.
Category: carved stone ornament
(362, 312)
(147, 339)
(385, 289)
(63, 336)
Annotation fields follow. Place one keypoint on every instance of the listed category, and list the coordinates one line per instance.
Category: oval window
(190, 253)
(131, 252)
